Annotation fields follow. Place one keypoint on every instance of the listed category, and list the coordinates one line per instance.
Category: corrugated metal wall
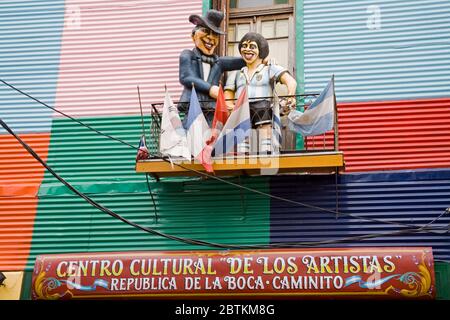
(408, 197)
(104, 169)
(201, 210)
(392, 135)
(110, 48)
(101, 51)
(378, 50)
(86, 58)
(395, 135)
(30, 40)
(20, 178)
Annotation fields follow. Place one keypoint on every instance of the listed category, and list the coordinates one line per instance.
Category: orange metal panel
(392, 135)
(20, 178)
(20, 173)
(17, 216)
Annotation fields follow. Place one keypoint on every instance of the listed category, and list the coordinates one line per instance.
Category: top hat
(212, 20)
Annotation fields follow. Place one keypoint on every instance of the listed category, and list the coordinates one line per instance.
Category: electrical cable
(209, 175)
(201, 242)
(66, 115)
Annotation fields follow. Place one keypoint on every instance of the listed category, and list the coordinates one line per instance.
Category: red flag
(220, 118)
(220, 115)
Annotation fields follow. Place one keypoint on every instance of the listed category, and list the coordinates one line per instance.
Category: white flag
(172, 140)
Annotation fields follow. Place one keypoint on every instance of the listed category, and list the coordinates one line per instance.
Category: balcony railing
(291, 142)
(318, 154)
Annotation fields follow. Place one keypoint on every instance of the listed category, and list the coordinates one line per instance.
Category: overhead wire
(66, 115)
(200, 173)
(202, 242)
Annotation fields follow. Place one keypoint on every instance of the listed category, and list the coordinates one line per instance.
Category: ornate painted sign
(286, 273)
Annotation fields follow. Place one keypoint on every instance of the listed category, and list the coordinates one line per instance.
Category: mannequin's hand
(214, 92)
(286, 105)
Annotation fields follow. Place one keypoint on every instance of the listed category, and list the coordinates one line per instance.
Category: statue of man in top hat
(201, 67)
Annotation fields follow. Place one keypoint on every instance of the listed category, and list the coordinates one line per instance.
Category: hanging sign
(286, 273)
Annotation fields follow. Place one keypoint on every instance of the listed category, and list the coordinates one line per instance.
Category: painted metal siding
(104, 169)
(408, 197)
(86, 58)
(378, 50)
(392, 135)
(20, 173)
(20, 178)
(396, 135)
(201, 210)
(30, 39)
(110, 48)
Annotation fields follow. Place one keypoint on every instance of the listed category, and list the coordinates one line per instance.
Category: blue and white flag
(318, 118)
(198, 131)
(172, 140)
(237, 127)
(276, 125)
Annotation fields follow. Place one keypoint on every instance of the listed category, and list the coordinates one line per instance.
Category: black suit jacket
(191, 71)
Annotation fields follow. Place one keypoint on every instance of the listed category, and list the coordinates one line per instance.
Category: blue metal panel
(30, 40)
(407, 197)
(378, 50)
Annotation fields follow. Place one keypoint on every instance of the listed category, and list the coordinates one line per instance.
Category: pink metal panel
(110, 48)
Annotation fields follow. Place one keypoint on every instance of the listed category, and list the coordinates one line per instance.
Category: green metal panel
(25, 293)
(206, 5)
(442, 272)
(299, 58)
(201, 209)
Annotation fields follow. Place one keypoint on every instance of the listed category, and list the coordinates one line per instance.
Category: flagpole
(142, 113)
(336, 133)
(336, 148)
(146, 175)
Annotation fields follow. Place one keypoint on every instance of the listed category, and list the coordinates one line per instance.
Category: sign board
(388, 273)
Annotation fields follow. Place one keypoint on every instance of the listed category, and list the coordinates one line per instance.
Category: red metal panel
(393, 135)
(20, 178)
(110, 48)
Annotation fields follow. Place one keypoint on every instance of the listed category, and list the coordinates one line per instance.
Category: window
(255, 3)
(273, 19)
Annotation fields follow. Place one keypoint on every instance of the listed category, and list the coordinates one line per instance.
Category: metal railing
(291, 141)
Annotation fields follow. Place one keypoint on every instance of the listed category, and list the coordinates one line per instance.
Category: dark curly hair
(262, 43)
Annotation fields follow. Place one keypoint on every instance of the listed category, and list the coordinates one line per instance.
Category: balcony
(298, 155)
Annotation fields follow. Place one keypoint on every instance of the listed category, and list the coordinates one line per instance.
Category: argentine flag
(318, 118)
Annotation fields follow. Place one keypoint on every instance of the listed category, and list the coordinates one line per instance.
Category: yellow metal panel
(11, 288)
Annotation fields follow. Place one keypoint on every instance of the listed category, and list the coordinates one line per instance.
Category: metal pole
(336, 132)
(142, 113)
